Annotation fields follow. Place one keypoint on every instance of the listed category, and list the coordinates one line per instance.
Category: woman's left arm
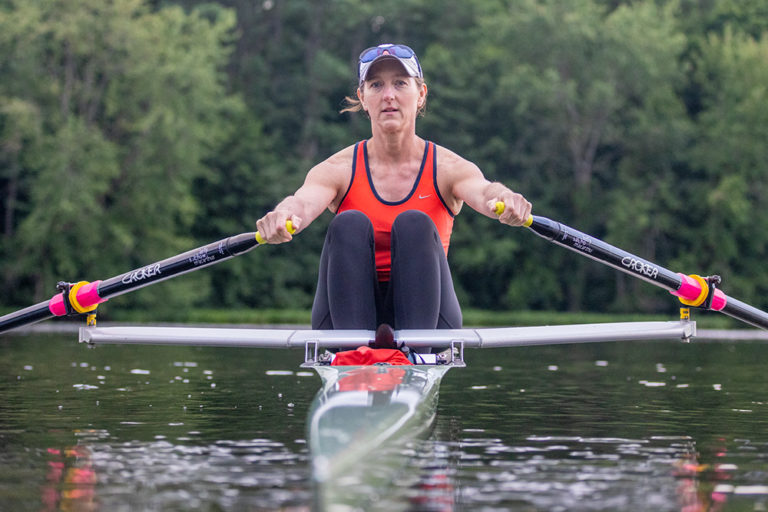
(466, 183)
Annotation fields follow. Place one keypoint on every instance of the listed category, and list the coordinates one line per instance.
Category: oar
(84, 297)
(692, 290)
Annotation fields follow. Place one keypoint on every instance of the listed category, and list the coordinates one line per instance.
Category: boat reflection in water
(360, 424)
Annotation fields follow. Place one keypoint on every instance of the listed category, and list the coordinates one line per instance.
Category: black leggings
(419, 294)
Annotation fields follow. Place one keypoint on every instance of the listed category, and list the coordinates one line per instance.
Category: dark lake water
(656, 426)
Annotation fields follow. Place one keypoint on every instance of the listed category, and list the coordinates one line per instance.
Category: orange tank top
(424, 196)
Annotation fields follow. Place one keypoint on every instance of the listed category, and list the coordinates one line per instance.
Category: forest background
(133, 130)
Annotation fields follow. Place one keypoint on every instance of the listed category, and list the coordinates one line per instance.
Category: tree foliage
(131, 130)
(110, 109)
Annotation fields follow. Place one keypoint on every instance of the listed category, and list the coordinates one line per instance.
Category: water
(635, 426)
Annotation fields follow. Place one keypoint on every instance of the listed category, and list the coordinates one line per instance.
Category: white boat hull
(361, 421)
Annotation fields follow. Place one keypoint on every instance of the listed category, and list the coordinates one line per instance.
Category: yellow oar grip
(288, 226)
(500, 206)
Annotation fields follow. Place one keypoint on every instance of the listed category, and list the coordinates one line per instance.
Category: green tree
(728, 191)
(131, 101)
(563, 93)
(131, 130)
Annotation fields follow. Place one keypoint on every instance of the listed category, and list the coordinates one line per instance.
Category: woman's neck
(396, 147)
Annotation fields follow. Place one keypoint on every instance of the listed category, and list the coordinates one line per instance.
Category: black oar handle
(84, 297)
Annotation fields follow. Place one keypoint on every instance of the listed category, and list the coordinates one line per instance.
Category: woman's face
(391, 97)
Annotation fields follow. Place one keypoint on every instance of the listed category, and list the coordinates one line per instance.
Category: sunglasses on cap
(405, 55)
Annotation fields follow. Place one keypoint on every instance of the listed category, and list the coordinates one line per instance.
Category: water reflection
(570, 473)
(644, 426)
(609, 428)
(70, 481)
(698, 488)
(255, 474)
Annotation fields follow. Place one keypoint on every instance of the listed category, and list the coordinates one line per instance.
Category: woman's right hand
(273, 227)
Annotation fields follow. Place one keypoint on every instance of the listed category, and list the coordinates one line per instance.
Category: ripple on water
(569, 472)
(225, 472)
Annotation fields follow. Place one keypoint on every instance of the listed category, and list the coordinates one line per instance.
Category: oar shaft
(189, 261)
(91, 294)
(746, 313)
(596, 249)
(690, 289)
(26, 316)
(84, 297)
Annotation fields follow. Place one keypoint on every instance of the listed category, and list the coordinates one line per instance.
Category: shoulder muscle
(330, 177)
(457, 177)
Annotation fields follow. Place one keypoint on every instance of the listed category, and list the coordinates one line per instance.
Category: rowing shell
(360, 423)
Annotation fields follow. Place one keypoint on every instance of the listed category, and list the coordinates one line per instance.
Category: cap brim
(411, 69)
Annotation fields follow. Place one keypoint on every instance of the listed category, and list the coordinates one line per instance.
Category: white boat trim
(415, 338)
(553, 334)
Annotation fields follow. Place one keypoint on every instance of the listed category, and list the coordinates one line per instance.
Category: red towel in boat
(363, 356)
(371, 378)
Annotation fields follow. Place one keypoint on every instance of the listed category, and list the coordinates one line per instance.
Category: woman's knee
(351, 227)
(414, 225)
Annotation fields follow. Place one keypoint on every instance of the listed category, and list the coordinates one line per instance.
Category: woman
(395, 196)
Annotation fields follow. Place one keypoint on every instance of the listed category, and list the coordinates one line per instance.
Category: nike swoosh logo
(424, 197)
